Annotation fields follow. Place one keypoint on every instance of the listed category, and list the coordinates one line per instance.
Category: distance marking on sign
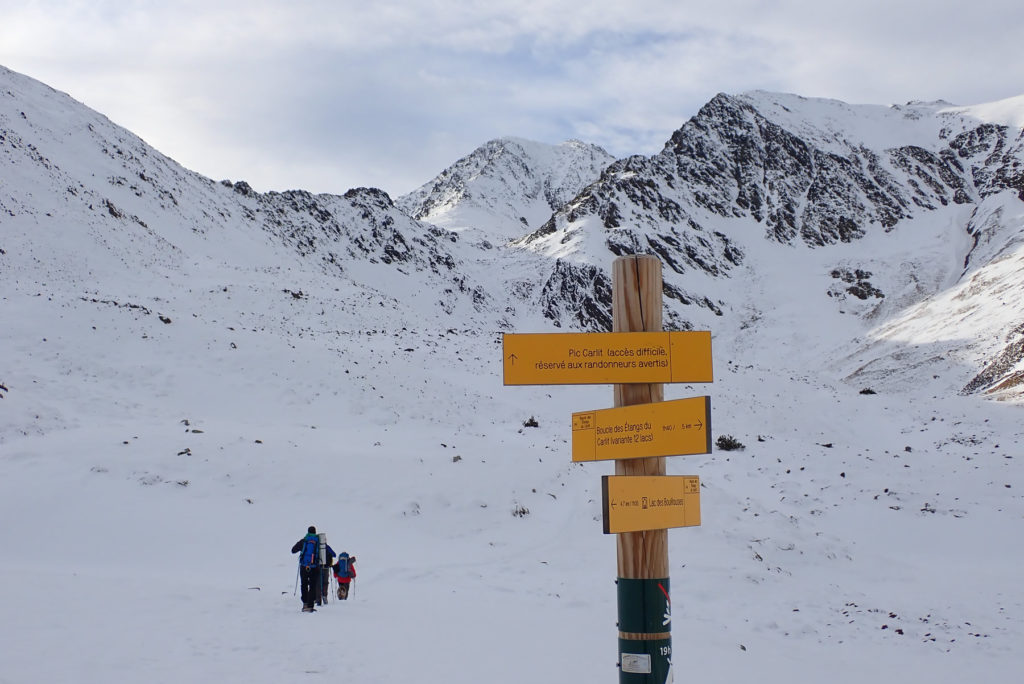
(606, 358)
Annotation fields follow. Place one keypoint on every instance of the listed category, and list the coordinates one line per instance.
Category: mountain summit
(506, 186)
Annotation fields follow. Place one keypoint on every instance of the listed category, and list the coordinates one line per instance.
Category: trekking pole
(296, 581)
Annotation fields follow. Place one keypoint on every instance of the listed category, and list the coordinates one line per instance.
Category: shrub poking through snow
(729, 443)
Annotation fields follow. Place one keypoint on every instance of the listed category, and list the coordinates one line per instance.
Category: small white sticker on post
(636, 663)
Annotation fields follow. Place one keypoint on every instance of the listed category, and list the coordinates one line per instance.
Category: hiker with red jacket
(344, 572)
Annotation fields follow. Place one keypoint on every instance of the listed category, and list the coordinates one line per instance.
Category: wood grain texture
(637, 307)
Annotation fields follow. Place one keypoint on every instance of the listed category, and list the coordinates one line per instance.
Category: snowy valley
(194, 372)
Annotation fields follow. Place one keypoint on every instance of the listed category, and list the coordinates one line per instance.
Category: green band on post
(644, 606)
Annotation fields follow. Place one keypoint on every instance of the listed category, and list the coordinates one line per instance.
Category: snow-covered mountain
(913, 201)
(205, 370)
(111, 197)
(745, 171)
(506, 187)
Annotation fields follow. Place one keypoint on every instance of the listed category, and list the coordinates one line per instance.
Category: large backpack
(342, 569)
(309, 556)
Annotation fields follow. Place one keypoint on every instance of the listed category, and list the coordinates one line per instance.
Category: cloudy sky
(325, 95)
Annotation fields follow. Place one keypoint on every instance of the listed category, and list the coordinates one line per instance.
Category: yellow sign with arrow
(606, 358)
(665, 428)
(634, 503)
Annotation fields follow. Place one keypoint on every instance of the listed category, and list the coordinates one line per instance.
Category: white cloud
(327, 95)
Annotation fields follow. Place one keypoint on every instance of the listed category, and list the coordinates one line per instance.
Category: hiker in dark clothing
(309, 568)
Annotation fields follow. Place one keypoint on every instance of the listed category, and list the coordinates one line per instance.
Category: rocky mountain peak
(506, 187)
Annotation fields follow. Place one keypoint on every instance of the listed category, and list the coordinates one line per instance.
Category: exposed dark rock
(858, 283)
(242, 188)
(579, 294)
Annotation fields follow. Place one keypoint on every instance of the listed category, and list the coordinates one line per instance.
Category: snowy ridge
(133, 203)
(1008, 112)
(193, 366)
(506, 187)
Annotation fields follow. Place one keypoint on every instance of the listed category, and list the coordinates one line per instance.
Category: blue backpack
(309, 557)
(342, 569)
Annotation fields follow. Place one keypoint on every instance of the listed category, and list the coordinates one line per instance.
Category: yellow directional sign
(664, 428)
(655, 502)
(585, 358)
(606, 358)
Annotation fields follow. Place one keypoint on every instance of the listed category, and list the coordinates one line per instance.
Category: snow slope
(190, 382)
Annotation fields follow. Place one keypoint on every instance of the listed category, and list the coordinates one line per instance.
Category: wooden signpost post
(640, 502)
(645, 606)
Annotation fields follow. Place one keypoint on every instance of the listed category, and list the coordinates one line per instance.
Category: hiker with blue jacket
(309, 568)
